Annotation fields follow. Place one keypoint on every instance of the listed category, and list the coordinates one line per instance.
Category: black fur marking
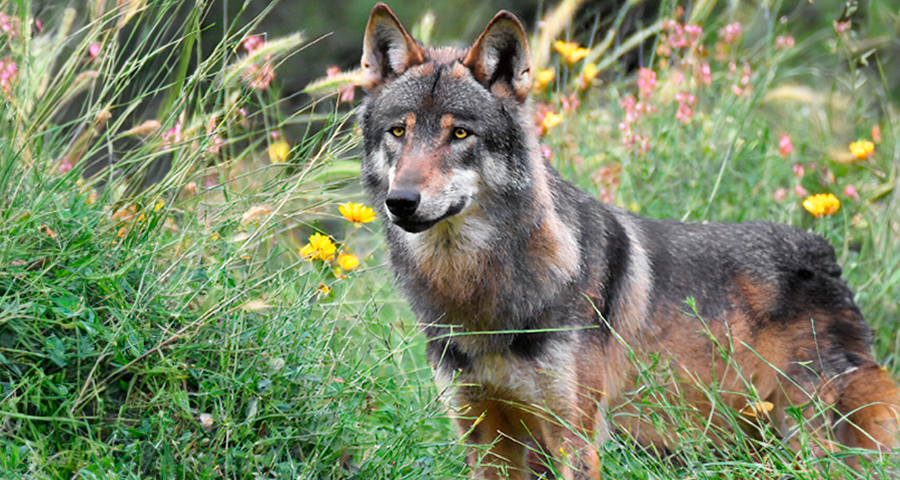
(443, 353)
(529, 345)
(618, 250)
(437, 78)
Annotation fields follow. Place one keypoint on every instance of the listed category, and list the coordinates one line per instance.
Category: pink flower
(65, 165)
(779, 194)
(685, 102)
(798, 170)
(841, 27)
(785, 147)
(784, 41)
(737, 90)
(876, 134)
(570, 103)
(8, 70)
(850, 191)
(745, 79)
(254, 42)
(730, 33)
(259, 78)
(8, 25)
(94, 50)
(646, 81)
(347, 93)
(172, 135)
(546, 152)
(799, 190)
(705, 76)
(694, 32)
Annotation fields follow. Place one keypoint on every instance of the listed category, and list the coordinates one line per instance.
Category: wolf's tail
(870, 406)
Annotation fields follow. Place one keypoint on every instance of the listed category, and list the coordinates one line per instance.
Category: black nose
(402, 203)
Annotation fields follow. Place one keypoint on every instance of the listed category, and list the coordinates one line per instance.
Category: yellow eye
(398, 131)
(460, 133)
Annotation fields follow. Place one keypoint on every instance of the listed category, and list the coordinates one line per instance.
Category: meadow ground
(198, 328)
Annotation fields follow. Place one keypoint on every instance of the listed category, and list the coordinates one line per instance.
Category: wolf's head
(445, 129)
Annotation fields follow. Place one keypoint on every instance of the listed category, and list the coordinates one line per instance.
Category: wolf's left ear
(388, 50)
(501, 55)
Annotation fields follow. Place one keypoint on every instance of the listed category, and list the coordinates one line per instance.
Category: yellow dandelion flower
(758, 408)
(590, 72)
(159, 205)
(570, 51)
(357, 213)
(320, 247)
(544, 77)
(862, 149)
(278, 151)
(323, 289)
(551, 120)
(348, 261)
(822, 204)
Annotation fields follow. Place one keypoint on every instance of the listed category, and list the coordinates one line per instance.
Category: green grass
(168, 333)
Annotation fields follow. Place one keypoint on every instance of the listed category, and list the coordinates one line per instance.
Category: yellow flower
(822, 204)
(544, 77)
(357, 213)
(862, 149)
(348, 261)
(570, 51)
(320, 247)
(323, 289)
(590, 72)
(278, 151)
(551, 120)
(159, 204)
(758, 408)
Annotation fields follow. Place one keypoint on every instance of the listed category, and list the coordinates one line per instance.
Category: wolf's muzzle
(406, 218)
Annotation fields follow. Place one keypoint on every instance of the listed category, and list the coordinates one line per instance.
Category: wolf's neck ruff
(465, 264)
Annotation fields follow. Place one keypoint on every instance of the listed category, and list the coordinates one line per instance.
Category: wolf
(539, 302)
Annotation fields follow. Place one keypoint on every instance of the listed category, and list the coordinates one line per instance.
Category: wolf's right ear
(501, 56)
(388, 50)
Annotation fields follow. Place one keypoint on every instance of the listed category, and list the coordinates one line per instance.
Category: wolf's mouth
(414, 226)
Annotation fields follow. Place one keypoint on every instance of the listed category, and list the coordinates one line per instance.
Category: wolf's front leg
(499, 427)
(576, 458)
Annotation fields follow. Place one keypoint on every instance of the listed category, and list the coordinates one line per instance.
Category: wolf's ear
(387, 49)
(501, 55)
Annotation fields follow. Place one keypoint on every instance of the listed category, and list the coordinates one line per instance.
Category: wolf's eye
(460, 133)
(398, 131)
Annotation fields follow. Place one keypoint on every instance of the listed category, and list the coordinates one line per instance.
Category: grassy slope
(195, 342)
